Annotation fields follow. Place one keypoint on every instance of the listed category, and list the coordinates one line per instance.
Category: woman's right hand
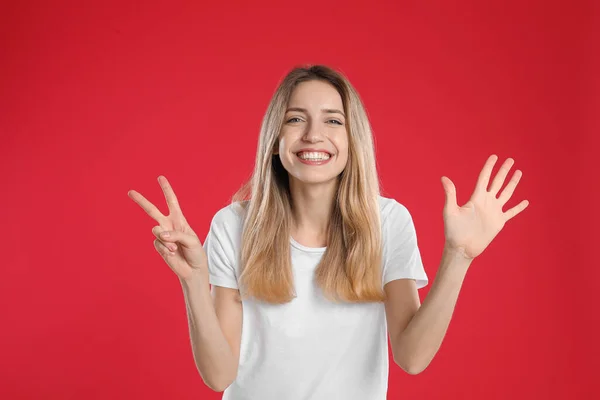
(182, 249)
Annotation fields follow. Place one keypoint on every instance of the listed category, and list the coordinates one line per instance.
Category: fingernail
(165, 234)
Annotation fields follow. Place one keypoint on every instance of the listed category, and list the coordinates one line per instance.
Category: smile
(313, 157)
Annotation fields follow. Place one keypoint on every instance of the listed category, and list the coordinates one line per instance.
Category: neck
(311, 211)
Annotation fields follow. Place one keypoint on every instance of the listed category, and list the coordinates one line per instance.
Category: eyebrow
(325, 110)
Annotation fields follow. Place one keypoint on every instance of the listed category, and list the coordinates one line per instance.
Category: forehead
(317, 94)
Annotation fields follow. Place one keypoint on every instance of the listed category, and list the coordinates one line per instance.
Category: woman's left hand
(471, 228)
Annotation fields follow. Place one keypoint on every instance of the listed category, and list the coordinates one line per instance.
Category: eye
(294, 119)
(335, 121)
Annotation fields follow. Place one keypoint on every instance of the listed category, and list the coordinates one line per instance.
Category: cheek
(341, 145)
(344, 156)
(283, 144)
(286, 138)
(285, 156)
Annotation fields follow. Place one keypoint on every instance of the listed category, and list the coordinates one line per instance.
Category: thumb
(185, 239)
(450, 190)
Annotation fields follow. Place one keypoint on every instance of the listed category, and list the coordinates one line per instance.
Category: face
(313, 142)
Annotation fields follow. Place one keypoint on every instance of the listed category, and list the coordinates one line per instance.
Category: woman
(311, 269)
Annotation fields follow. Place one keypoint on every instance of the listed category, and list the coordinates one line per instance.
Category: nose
(313, 134)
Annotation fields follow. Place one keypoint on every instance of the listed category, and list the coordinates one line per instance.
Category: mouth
(314, 157)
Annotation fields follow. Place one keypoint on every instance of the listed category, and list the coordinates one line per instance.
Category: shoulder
(231, 213)
(222, 245)
(393, 212)
(229, 219)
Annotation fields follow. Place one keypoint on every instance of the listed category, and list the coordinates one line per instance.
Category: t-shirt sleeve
(401, 255)
(220, 251)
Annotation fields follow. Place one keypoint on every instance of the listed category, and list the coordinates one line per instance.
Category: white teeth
(313, 156)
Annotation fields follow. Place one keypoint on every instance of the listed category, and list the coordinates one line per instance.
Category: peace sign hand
(181, 249)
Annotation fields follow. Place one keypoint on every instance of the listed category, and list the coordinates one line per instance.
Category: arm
(416, 331)
(215, 330)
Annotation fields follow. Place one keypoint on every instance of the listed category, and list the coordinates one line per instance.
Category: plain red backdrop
(97, 98)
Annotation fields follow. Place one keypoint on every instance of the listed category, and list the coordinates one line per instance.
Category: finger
(484, 175)
(185, 239)
(516, 210)
(162, 249)
(501, 176)
(450, 190)
(172, 201)
(150, 208)
(510, 187)
(157, 230)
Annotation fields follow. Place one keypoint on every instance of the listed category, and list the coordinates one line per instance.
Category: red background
(100, 98)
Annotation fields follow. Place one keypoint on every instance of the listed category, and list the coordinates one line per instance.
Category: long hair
(350, 269)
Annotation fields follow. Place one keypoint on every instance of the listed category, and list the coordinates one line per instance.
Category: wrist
(456, 251)
(195, 280)
(456, 256)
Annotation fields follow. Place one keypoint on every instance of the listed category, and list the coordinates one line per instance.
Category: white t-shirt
(312, 348)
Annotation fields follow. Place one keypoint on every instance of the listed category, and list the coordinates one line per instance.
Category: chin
(314, 175)
(316, 178)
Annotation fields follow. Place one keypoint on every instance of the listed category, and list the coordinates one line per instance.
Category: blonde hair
(350, 269)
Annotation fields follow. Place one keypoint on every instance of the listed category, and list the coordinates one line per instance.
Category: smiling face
(313, 142)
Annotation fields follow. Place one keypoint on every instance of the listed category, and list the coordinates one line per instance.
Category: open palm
(472, 227)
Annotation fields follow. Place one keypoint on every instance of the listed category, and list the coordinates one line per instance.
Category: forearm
(419, 342)
(212, 354)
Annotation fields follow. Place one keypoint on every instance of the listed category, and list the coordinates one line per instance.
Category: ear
(276, 148)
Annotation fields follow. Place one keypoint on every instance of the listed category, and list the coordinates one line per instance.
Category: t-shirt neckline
(306, 248)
